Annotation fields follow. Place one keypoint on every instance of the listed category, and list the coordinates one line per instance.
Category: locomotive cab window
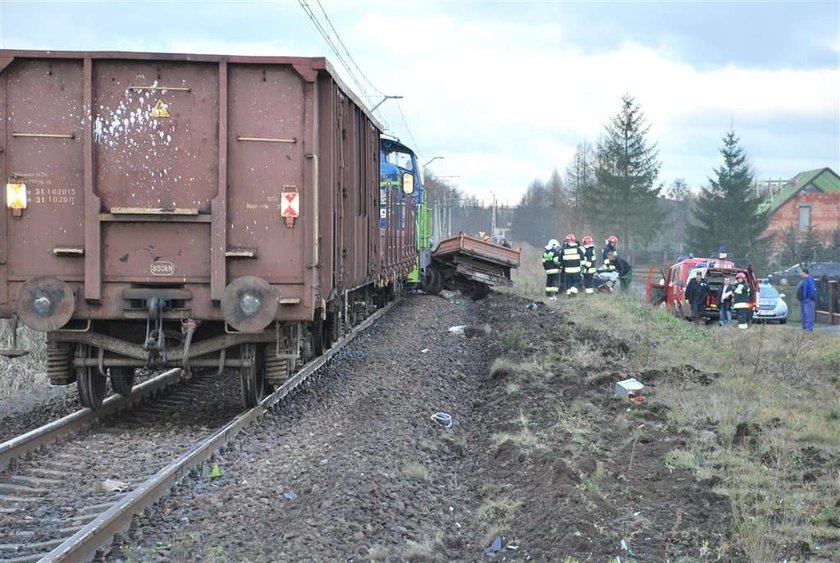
(401, 159)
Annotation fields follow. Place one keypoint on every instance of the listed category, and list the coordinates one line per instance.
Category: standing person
(624, 269)
(551, 265)
(571, 256)
(696, 293)
(611, 241)
(589, 265)
(741, 299)
(806, 292)
(727, 291)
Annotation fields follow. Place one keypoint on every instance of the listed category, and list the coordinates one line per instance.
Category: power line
(408, 130)
(331, 45)
(343, 61)
(349, 56)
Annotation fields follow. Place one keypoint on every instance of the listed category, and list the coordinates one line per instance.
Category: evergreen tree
(624, 200)
(727, 212)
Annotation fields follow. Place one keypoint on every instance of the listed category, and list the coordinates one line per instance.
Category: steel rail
(83, 545)
(34, 439)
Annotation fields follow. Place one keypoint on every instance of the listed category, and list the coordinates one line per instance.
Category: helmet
(741, 276)
(612, 239)
(587, 240)
(570, 238)
(552, 244)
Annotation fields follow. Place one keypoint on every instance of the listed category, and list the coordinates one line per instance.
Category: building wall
(825, 215)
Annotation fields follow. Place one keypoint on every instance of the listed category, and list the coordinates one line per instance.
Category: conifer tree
(624, 200)
(727, 212)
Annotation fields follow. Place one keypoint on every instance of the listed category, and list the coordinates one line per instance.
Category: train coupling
(155, 342)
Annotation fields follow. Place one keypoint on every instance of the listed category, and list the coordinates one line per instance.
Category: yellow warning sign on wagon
(160, 111)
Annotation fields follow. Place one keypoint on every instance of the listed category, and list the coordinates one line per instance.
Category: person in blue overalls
(806, 292)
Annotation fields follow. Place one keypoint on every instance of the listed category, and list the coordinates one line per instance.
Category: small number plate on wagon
(162, 268)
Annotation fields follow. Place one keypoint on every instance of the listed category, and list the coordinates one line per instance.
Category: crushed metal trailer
(471, 265)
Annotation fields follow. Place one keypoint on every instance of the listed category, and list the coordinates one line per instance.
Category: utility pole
(493, 220)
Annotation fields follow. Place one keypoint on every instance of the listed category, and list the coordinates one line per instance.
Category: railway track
(33, 440)
(68, 502)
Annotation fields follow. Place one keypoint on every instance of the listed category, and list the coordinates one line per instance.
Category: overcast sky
(506, 90)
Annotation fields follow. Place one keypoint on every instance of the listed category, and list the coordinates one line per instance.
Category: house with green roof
(810, 200)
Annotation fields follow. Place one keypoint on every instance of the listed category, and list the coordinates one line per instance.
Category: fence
(828, 301)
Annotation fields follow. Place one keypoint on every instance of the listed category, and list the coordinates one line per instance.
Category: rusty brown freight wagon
(187, 210)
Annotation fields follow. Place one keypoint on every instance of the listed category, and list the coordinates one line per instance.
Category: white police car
(771, 304)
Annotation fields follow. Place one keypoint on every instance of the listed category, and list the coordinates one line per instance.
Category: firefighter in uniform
(741, 304)
(611, 241)
(551, 265)
(571, 257)
(589, 265)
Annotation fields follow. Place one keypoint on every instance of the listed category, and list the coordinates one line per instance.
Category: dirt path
(540, 454)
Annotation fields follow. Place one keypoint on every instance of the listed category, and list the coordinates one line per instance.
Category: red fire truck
(667, 288)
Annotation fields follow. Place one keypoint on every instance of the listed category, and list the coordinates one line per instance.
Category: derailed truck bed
(470, 264)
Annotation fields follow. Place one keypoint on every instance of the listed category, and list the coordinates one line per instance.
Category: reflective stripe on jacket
(589, 265)
(742, 296)
(571, 256)
(551, 264)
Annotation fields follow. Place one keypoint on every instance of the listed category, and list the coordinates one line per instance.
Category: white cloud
(496, 86)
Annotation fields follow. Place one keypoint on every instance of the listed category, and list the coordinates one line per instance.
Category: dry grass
(529, 279)
(416, 471)
(780, 381)
(525, 440)
(377, 553)
(23, 381)
(425, 550)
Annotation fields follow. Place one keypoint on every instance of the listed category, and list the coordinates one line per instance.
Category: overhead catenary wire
(346, 50)
(408, 130)
(341, 59)
(333, 44)
(308, 10)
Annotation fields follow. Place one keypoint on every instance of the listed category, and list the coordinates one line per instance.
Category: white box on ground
(628, 387)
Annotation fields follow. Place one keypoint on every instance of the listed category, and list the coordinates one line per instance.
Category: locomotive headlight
(408, 183)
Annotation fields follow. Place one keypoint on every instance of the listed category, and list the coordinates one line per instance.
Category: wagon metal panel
(266, 159)
(172, 173)
(49, 165)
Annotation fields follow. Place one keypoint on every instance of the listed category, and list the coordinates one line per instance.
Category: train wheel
(90, 383)
(432, 282)
(122, 380)
(252, 378)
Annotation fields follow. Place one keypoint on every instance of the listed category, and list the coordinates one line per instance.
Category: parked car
(771, 305)
(790, 276)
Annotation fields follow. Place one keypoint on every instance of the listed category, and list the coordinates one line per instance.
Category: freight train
(195, 211)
